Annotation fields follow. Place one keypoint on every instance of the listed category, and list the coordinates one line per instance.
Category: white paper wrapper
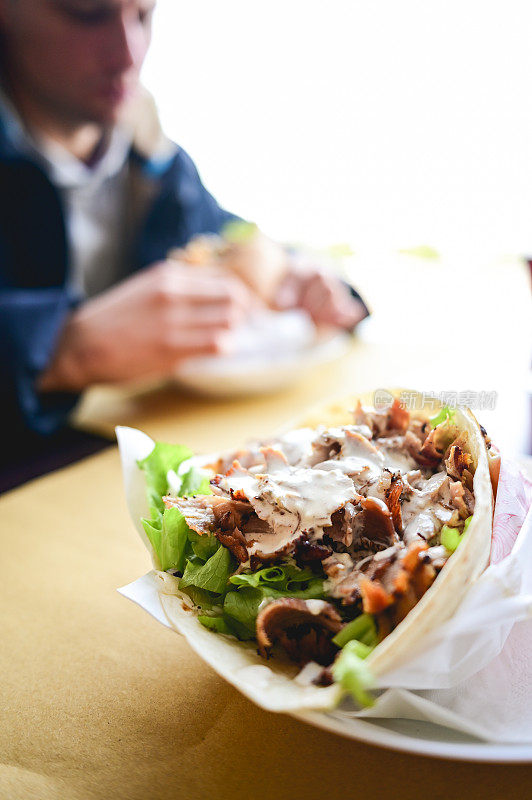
(474, 673)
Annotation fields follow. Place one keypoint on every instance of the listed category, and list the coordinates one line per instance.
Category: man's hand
(324, 296)
(146, 324)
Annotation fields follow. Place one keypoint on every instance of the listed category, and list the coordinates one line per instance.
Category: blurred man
(92, 198)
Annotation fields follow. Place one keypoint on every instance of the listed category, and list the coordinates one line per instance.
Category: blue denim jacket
(34, 261)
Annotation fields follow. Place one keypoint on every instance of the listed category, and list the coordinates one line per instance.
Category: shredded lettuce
(162, 459)
(169, 536)
(207, 601)
(352, 673)
(283, 580)
(241, 604)
(207, 566)
(203, 546)
(167, 529)
(444, 414)
(211, 575)
(240, 611)
(194, 482)
(217, 624)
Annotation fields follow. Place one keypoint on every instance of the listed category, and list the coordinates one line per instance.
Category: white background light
(388, 123)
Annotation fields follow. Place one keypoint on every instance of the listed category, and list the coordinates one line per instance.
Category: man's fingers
(318, 296)
(330, 302)
(352, 314)
(185, 344)
(211, 315)
(288, 293)
(197, 287)
(229, 291)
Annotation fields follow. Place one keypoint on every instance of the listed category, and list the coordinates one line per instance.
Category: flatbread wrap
(304, 567)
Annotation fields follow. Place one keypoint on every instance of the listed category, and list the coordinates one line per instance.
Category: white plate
(272, 352)
(420, 738)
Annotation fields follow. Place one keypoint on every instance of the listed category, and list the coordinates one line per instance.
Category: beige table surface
(99, 701)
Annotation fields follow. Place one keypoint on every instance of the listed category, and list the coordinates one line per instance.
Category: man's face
(79, 59)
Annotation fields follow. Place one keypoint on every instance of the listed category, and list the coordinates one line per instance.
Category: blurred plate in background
(272, 351)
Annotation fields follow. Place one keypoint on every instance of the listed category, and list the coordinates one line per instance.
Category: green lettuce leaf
(167, 529)
(162, 458)
(283, 580)
(202, 599)
(203, 546)
(211, 575)
(217, 624)
(241, 605)
(206, 565)
(169, 538)
(194, 482)
(240, 611)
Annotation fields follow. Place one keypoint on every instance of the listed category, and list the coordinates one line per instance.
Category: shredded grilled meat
(362, 504)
